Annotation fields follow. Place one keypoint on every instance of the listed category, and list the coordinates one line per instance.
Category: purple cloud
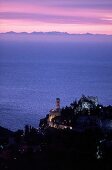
(101, 4)
(92, 15)
(53, 18)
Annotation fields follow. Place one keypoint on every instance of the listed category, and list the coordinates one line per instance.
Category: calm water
(33, 74)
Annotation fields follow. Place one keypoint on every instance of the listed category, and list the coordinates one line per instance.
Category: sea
(34, 74)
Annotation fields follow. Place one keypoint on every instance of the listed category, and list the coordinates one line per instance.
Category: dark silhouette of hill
(5, 132)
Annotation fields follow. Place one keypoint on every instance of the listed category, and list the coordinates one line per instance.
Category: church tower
(58, 104)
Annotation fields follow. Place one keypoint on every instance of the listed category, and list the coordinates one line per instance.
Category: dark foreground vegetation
(56, 149)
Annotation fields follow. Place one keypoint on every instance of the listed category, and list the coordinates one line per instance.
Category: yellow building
(55, 112)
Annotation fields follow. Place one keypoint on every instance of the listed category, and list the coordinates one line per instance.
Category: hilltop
(83, 114)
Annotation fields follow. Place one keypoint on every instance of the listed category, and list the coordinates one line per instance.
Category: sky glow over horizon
(72, 16)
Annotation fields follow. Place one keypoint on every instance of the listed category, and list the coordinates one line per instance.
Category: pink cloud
(21, 25)
(55, 15)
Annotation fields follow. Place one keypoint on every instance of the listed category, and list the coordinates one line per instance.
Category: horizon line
(56, 32)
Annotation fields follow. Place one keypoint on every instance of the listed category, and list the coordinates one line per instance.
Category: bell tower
(58, 104)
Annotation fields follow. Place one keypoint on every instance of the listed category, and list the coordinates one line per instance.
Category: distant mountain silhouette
(54, 36)
(55, 33)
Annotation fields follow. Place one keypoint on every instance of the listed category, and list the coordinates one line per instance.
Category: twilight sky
(73, 16)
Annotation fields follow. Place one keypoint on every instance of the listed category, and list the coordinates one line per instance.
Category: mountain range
(54, 33)
(54, 36)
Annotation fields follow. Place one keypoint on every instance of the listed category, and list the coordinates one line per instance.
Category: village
(80, 115)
